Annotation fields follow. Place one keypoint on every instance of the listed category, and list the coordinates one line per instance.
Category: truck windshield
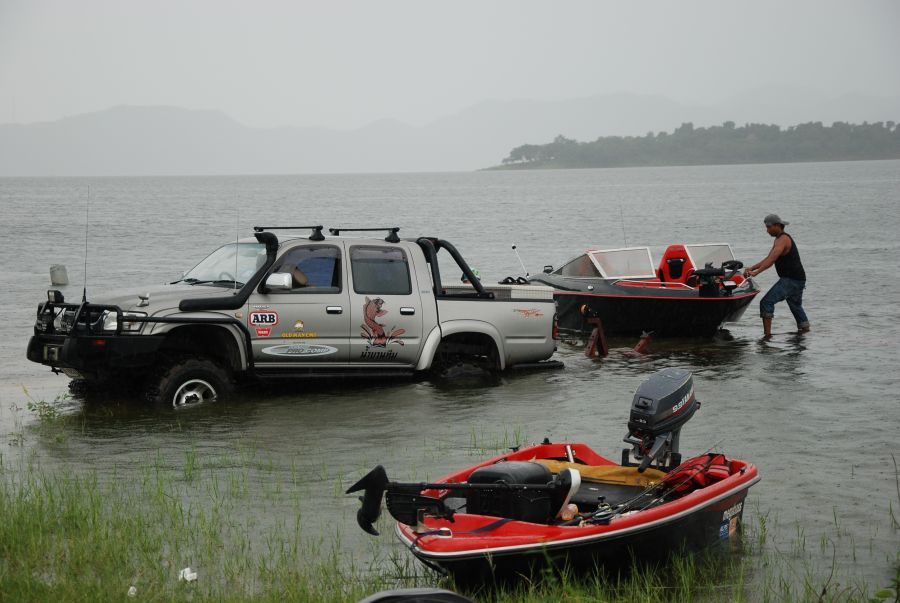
(230, 264)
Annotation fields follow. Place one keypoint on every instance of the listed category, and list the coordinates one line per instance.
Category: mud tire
(189, 381)
(448, 362)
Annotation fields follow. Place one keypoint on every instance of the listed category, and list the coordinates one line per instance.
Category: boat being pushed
(692, 292)
(564, 505)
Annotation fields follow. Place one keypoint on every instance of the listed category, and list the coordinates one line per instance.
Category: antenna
(520, 260)
(622, 222)
(87, 222)
(237, 239)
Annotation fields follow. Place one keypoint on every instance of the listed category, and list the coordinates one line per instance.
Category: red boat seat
(675, 266)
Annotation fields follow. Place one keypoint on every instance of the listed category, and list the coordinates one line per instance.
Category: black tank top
(789, 265)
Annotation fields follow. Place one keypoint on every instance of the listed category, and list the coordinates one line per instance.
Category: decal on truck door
(263, 321)
(300, 350)
(299, 332)
(373, 331)
(263, 318)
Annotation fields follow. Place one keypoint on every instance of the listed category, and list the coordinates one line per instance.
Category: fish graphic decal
(372, 330)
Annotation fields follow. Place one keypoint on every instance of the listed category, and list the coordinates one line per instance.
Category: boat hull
(672, 316)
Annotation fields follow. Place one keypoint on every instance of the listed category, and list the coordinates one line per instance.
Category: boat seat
(675, 266)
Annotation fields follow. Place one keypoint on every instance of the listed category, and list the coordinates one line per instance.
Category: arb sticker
(263, 318)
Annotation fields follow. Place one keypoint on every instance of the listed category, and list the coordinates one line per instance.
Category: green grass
(66, 538)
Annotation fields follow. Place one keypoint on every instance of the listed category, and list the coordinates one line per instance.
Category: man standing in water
(791, 277)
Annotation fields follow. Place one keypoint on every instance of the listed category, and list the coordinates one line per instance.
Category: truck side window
(380, 270)
(314, 268)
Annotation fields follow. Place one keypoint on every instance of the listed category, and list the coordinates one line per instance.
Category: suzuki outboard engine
(661, 405)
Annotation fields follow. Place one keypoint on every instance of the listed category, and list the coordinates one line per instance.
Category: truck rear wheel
(466, 350)
(190, 381)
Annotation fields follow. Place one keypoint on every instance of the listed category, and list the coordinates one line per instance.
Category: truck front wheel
(190, 381)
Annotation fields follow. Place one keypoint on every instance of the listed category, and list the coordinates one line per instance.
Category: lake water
(819, 415)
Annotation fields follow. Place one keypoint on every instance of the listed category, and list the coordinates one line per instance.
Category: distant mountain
(130, 140)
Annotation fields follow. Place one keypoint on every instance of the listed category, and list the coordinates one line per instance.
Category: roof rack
(316, 234)
(390, 238)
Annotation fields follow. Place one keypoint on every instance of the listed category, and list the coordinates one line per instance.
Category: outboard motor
(661, 405)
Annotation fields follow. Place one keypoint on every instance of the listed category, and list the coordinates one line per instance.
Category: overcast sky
(345, 64)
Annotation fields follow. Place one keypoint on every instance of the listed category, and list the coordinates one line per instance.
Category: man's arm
(778, 249)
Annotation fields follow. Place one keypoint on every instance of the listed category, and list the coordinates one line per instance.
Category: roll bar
(431, 246)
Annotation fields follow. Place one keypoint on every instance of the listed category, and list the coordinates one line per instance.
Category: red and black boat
(691, 292)
(562, 504)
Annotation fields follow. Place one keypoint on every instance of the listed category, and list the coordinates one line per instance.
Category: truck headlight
(110, 321)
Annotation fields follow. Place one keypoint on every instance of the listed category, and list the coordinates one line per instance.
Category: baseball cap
(774, 219)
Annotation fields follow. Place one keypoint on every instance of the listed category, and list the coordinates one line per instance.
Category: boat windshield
(632, 262)
(714, 253)
(580, 267)
(230, 264)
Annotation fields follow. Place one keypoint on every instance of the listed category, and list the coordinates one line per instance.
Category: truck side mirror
(548, 269)
(279, 281)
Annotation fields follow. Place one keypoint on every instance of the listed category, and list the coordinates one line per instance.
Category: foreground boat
(692, 292)
(563, 504)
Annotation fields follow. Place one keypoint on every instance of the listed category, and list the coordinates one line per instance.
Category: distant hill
(728, 143)
(130, 140)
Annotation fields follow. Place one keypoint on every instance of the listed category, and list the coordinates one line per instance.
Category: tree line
(687, 145)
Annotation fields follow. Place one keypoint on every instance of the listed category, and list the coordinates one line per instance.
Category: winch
(661, 405)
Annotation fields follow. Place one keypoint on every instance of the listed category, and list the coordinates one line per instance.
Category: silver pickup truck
(314, 306)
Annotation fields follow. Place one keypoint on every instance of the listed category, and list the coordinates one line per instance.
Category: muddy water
(819, 414)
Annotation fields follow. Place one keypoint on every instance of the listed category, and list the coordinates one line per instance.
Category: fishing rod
(608, 514)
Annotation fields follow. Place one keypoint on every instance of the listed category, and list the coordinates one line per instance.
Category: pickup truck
(307, 306)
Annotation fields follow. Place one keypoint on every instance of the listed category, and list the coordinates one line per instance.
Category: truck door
(310, 323)
(385, 306)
